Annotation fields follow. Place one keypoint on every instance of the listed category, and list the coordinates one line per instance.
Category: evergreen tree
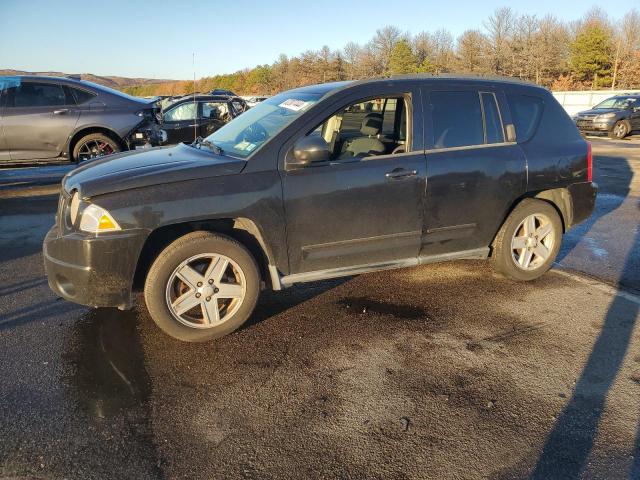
(401, 59)
(590, 59)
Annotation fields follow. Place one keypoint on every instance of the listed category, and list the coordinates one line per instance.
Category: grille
(585, 123)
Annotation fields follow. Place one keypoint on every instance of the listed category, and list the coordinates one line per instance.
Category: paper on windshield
(294, 105)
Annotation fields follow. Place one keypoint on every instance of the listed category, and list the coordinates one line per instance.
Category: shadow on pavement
(614, 193)
(111, 388)
(568, 445)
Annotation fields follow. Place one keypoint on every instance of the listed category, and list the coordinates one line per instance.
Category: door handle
(400, 173)
(63, 111)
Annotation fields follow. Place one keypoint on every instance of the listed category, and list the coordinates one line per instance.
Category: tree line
(590, 53)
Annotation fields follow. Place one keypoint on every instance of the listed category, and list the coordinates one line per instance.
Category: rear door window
(457, 119)
(35, 94)
(492, 120)
(525, 112)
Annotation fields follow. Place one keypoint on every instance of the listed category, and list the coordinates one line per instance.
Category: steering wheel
(254, 133)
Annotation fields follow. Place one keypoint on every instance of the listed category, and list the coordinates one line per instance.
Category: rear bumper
(93, 271)
(583, 201)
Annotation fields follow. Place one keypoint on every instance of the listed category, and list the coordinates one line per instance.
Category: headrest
(371, 124)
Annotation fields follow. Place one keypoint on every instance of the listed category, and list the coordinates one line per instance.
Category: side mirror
(308, 150)
(511, 132)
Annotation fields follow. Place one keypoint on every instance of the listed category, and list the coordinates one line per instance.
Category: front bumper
(589, 125)
(93, 270)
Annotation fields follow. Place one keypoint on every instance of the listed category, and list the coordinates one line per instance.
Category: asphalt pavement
(440, 371)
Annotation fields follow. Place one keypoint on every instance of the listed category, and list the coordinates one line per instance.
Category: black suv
(49, 118)
(617, 116)
(199, 115)
(320, 182)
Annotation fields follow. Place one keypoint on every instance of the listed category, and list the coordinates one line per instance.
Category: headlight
(96, 219)
(604, 116)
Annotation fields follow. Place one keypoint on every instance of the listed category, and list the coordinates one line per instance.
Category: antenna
(195, 107)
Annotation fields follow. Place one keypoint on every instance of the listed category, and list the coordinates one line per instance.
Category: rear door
(38, 118)
(213, 115)
(473, 174)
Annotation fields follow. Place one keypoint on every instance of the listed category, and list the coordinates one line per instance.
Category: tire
(171, 278)
(94, 145)
(620, 130)
(511, 261)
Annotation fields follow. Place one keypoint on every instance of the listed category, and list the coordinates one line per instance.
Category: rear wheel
(94, 145)
(201, 287)
(528, 241)
(620, 130)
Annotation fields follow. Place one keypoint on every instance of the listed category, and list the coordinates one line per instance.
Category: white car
(253, 101)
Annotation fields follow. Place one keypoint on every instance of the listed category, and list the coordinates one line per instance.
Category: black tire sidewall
(94, 136)
(503, 254)
(183, 248)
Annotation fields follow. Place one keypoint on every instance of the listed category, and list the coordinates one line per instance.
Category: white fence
(574, 102)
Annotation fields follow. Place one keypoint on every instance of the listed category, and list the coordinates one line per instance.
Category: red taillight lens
(589, 163)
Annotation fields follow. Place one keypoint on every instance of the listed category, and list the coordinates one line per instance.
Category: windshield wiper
(199, 142)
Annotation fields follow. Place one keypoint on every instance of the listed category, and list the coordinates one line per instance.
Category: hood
(142, 168)
(597, 111)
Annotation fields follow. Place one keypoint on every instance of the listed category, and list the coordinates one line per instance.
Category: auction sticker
(294, 105)
(244, 145)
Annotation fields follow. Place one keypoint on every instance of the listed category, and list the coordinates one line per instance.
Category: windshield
(249, 131)
(618, 102)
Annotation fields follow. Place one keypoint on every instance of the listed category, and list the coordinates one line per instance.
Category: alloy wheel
(205, 290)
(533, 242)
(620, 130)
(94, 149)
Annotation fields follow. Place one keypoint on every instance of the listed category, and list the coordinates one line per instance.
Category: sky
(158, 39)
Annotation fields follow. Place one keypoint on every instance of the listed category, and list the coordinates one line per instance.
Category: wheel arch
(558, 198)
(73, 139)
(241, 229)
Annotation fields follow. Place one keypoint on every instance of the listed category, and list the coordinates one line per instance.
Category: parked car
(253, 101)
(305, 187)
(191, 116)
(48, 118)
(617, 116)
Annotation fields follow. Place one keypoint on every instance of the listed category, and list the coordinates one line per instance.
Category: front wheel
(620, 130)
(201, 287)
(528, 241)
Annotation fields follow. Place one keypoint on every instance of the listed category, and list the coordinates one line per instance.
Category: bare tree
(471, 52)
(383, 42)
(500, 28)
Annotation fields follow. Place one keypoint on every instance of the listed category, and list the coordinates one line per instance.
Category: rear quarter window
(82, 96)
(526, 111)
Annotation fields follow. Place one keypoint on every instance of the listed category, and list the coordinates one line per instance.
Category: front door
(38, 118)
(363, 206)
(4, 150)
(180, 123)
(473, 174)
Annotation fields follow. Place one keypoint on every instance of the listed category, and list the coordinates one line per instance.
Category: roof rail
(74, 76)
(471, 76)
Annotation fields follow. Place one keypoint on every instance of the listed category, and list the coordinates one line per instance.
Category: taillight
(589, 163)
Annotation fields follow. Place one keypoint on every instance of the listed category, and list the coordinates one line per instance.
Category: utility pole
(615, 65)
